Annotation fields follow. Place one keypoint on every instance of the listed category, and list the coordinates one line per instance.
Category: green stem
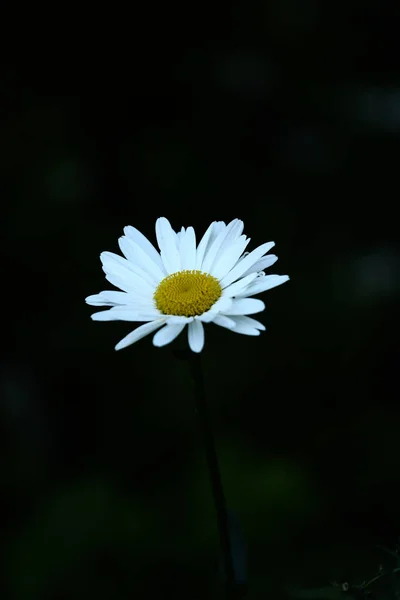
(203, 414)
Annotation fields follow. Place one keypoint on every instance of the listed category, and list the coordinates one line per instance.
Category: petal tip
(197, 350)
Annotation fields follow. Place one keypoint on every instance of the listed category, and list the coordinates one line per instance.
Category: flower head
(186, 284)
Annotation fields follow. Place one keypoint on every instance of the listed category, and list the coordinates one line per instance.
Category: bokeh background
(286, 115)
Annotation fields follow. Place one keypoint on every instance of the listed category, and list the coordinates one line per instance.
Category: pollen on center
(187, 293)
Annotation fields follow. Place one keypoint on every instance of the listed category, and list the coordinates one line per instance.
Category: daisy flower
(186, 284)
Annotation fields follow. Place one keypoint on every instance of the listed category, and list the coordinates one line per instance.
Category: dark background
(283, 114)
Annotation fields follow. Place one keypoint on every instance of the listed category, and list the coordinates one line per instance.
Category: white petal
(245, 306)
(221, 305)
(139, 333)
(119, 283)
(216, 228)
(128, 284)
(263, 263)
(177, 320)
(140, 239)
(263, 284)
(233, 233)
(108, 298)
(223, 321)
(246, 330)
(118, 265)
(187, 249)
(236, 231)
(167, 242)
(138, 304)
(207, 317)
(121, 273)
(249, 321)
(196, 336)
(203, 245)
(180, 233)
(214, 248)
(229, 257)
(219, 226)
(123, 283)
(245, 264)
(239, 286)
(141, 261)
(112, 298)
(125, 313)
(167, 334)
(242, 326)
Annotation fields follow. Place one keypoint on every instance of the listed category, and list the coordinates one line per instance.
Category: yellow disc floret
(187, 293)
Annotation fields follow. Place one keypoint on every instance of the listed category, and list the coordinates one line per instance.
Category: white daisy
(185, 284)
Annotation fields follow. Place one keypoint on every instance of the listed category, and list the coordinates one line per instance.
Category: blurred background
(283, 114)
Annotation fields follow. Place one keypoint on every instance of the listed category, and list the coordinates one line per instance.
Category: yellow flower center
(187, 293)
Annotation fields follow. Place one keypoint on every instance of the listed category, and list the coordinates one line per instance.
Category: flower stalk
(203, 414)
